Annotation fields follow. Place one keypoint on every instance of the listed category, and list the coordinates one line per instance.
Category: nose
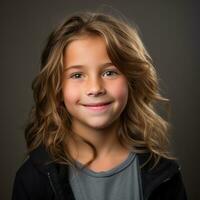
(95, 87)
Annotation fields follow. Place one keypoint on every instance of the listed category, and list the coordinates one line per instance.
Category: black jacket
(37, 181)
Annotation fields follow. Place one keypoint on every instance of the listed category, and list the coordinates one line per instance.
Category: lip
(98, 106)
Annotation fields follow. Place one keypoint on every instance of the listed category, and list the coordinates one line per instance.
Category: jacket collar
(151, 178)
(56, 173)
(162, 172)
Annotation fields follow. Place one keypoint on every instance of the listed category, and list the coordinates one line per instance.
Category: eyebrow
(80, 66)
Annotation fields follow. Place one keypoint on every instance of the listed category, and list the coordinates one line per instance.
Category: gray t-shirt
(121, 182)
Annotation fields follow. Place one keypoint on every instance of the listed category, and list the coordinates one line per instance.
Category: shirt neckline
(124, 164)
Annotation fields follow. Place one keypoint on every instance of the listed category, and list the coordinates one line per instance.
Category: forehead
(85, 49)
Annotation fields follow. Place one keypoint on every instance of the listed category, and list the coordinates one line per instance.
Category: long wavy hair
(142, 129)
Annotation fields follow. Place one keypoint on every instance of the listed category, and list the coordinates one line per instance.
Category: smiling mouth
(97, 104)
(98, 107)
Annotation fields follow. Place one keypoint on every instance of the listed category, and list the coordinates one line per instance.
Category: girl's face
(94, 91)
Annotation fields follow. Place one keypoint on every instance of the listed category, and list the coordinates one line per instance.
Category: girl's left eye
(110, 73)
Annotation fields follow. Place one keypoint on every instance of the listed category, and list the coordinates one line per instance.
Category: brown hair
(141, 127)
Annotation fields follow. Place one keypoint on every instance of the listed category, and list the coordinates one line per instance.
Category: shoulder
(28, 173)
(30, 182)
(25, 169)
(163, 170)
(164, 178)
(148, 164)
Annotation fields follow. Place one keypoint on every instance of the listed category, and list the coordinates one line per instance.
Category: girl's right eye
(75, 75)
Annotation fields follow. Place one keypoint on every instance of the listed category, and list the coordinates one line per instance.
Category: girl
(94, 132)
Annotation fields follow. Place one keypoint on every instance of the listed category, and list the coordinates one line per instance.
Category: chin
(99, 125)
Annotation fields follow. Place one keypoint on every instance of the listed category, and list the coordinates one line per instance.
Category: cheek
(70, 95)
(120, 90)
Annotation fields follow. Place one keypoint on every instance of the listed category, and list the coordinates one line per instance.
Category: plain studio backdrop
(170, 32)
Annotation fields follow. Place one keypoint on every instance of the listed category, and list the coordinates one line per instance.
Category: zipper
(51, 183)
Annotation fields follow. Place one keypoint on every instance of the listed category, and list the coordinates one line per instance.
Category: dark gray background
(170, 31)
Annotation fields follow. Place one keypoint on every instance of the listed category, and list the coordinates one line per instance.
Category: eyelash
(74, 74)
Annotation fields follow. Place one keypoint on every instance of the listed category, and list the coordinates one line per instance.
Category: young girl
(94, 133)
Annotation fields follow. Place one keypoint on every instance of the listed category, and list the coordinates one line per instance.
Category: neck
(105, 141)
